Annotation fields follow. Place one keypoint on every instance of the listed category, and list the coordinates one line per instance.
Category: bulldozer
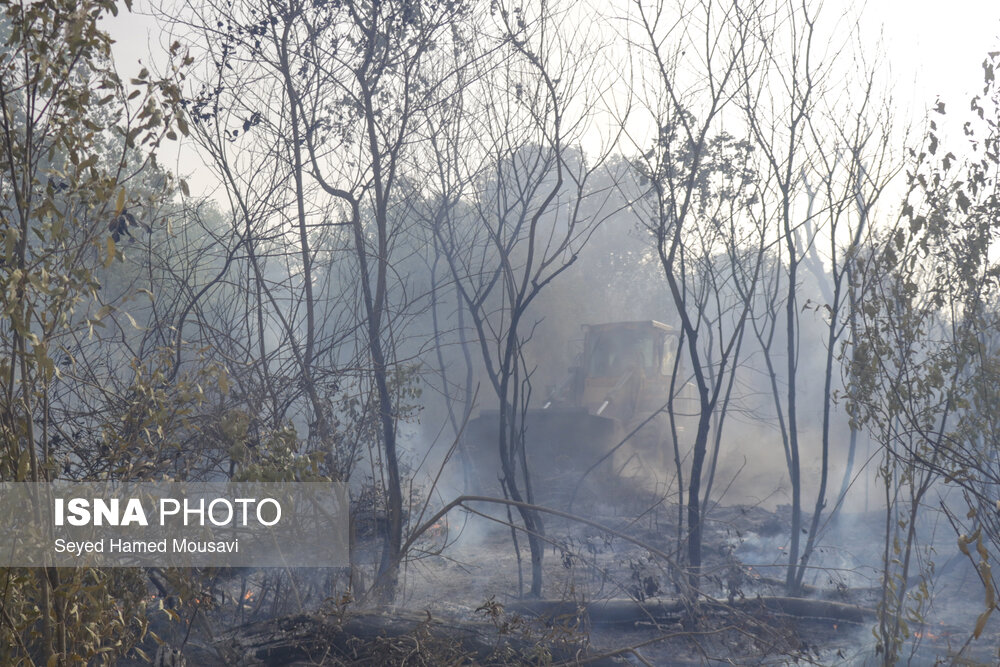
(618, 384)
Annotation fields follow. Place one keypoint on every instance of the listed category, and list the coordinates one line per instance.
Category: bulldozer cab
(625, 368)
(612, 350)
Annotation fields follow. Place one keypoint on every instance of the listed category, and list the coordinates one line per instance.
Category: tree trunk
(694, 502)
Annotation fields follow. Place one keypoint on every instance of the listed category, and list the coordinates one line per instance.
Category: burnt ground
(745, 554)
(611, 599)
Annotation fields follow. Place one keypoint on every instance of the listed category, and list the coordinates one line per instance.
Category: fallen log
(359, 639)
(825, 593)
(630, 612)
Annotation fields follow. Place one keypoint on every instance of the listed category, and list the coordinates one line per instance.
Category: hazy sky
(939, 45)
(936, 47)
(932, 48)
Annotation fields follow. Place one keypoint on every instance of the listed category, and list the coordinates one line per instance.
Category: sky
(933, 50)
(936, 48)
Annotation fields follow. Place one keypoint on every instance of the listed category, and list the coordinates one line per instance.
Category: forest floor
(611, 595)
(745, 561)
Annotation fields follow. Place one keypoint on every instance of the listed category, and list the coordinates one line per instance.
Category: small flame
(249, 596)
(438, 529)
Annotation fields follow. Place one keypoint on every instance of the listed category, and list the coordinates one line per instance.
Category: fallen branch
(462, 500)
(630, 612)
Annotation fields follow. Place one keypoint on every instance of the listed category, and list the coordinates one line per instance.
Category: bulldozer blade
(560, 445)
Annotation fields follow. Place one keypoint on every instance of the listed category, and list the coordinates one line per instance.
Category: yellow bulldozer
(621, 381)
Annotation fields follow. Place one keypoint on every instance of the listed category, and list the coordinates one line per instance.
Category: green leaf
(962, 201)
(110, 258)
(23, 463)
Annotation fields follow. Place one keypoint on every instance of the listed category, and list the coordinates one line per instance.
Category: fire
(438, 529)
(925, 635)
(249, 596)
